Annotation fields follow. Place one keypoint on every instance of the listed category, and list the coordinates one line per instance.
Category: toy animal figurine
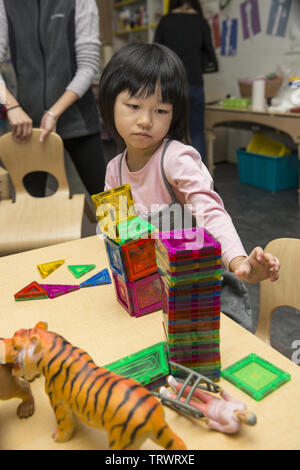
(77, 386)
(225, 414)
(13, 387)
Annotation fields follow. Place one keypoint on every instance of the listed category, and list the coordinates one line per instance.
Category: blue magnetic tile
(103, 277)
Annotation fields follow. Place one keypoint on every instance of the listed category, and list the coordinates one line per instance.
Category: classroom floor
(259, 216)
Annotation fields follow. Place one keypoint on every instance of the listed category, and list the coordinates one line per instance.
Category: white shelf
(139, 28)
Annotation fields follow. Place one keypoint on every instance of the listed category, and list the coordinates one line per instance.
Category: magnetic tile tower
(130, 247)
(189, 263)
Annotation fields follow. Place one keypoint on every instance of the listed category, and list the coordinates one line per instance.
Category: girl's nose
(145, 119)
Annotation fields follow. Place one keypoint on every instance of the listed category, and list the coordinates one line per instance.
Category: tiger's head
(24, 350)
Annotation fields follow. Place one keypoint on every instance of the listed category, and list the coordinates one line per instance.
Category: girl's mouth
(142, 134)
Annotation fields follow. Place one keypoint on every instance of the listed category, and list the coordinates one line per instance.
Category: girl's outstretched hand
(257, 267)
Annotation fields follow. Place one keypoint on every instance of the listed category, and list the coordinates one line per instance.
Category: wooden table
(92, 319)
(215, 115)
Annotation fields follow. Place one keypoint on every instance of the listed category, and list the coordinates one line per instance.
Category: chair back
(21, 158)
(283, 292)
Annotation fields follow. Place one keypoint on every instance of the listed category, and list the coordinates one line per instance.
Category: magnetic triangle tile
(79, 270)
(55, 290)
(31, 291)
(99, 279)
(47, 268)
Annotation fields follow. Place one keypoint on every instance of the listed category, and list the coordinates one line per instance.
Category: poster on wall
(229, 37)
(250, 18)
(214, 22)
(278, 17)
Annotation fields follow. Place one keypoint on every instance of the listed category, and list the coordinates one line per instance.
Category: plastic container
(262, 171)
(265, 146)
(243, 103)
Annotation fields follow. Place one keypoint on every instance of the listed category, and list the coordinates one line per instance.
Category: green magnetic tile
(145, 366)
(79, 270)
(133, 229)
(255, 376)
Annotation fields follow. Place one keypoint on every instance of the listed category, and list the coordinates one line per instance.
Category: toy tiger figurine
(77, 386)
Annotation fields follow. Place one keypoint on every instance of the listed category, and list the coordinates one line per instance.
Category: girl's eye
(132, 106)
(162, 111)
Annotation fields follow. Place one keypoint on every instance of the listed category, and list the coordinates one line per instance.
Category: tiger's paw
(62, 436)
(26, 409)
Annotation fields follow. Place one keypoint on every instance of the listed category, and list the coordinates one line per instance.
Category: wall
(259, 55)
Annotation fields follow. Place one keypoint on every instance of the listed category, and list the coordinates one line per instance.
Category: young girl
(144, 101)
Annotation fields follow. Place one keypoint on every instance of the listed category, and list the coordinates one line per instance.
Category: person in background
(186, 32)
(54, 46)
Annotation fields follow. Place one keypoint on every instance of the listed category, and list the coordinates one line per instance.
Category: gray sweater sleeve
(3, 32)
(87, 45)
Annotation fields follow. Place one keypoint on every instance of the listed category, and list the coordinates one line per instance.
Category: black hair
(178, 3)
(138, 68)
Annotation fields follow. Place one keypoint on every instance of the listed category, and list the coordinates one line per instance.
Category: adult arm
(19, 121)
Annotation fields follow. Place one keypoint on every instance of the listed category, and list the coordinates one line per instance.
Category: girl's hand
(48, 124)
(20, 123)
(257, 267)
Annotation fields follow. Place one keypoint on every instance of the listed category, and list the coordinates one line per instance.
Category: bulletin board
(252, 37)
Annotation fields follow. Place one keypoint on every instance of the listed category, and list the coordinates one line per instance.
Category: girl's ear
(42, 325)
(36, 343)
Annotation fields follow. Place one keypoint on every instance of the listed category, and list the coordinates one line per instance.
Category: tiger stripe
(141, 425)
(90, 388)
(109, 395)
(59, 371)
(126, 398)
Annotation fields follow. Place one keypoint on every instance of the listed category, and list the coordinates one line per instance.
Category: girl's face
(142, 122)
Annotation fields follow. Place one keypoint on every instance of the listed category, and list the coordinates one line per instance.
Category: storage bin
(271, 90)
(271, 173)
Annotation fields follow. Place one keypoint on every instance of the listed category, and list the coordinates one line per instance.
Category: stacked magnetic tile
(130, 250)
(189, 263)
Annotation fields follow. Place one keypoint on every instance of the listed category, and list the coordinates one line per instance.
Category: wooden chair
(29, 222)
(285, 291)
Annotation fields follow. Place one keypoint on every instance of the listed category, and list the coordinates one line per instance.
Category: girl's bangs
(145, 88)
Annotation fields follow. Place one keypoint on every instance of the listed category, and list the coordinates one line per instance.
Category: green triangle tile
(79, 270)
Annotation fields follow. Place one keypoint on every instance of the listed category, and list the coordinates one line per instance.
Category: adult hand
(258, 267)
(48, 124)
(20, 123)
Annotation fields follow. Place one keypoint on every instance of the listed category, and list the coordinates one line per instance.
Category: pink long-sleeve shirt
(191, 183)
